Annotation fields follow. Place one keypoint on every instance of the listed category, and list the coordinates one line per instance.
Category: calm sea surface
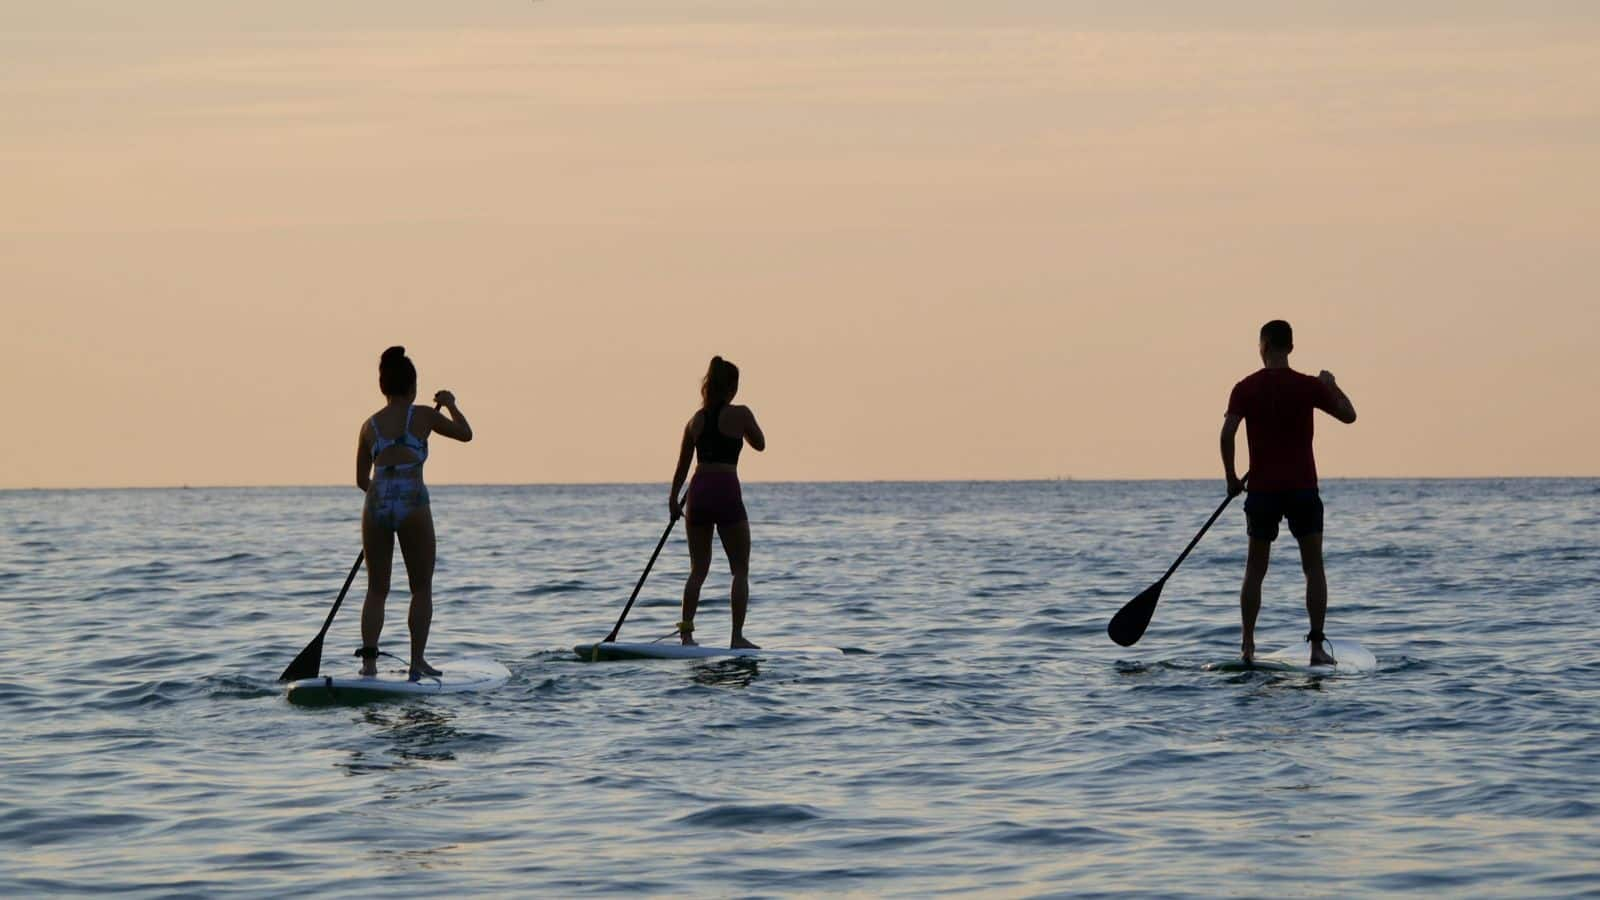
(990, 740)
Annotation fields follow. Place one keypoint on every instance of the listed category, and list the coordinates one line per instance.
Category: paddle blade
(307, 665)
(1128, 625)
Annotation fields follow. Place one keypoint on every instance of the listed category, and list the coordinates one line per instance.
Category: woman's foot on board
(420, 668)
(740, 643)
(369, 661)
(686, 633)
(1247, 649)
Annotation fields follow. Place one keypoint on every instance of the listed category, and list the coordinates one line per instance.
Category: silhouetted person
(1276, 405)
(392, 448)
(715, 435)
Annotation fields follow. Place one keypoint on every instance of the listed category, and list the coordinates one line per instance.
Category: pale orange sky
(1021, 240)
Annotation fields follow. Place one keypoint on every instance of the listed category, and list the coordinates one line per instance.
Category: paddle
(1128, 625)
(309, 663)
(610, 638)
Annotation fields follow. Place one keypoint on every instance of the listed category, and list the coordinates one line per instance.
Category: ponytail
(720, 384)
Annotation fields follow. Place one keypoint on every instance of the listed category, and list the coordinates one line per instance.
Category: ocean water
(990, 740)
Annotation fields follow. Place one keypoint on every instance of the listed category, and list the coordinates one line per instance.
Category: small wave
(554, 587)
(45, 830)
(145, 695)
(231, 558)
(1385, 551)
(1009, 833)
(153, 567)
(239, 687)
(118, 593)
(751, 818)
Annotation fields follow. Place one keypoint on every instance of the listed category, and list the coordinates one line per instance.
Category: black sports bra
(713, 446)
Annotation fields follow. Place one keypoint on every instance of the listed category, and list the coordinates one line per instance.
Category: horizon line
(1049, 480)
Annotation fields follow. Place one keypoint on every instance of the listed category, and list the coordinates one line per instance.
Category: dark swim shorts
(1264, 509)
(715, 499)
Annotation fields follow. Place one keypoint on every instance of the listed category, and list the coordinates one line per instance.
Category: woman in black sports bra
(716, 434)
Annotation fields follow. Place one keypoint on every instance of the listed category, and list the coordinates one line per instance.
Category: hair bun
(393, 353)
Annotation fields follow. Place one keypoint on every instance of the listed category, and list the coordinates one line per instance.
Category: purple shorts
(715, 499)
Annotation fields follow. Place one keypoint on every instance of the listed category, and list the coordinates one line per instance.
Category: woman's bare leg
(418, 546)
(736, 543)
(378, 542)
(699, 567)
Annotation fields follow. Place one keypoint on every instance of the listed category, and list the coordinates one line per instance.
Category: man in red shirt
(1277, 404)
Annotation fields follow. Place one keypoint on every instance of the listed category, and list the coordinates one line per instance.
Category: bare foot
(1247, 649)
(739, 643)
(369, 669)
(1320, 657)
(688, 639)
(419, 668)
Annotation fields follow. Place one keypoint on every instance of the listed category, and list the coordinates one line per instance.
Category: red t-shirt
(1276, 406)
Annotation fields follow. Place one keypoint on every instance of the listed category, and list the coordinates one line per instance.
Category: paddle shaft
(348, 580)
(315, 647)
(616, 629)
(1202, 533)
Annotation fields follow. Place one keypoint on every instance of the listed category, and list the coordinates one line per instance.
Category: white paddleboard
(1350, 657)
(458, 676)
(619, 650)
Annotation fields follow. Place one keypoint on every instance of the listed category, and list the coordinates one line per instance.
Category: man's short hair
(1278, 335)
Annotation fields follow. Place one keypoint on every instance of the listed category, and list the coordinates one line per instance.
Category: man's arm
(1230, 427)
(1342, 409)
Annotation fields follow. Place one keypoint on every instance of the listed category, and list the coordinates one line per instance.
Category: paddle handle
(1202, 533)
(616, 629)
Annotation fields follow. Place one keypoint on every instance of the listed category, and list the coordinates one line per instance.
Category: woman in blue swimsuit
(393, 446)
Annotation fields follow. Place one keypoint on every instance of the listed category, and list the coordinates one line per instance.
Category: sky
(942, 240)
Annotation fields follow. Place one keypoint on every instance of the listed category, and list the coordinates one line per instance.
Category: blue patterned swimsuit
(397, 490)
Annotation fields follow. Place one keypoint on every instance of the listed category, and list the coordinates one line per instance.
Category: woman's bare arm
(752, 432)
(680, 474)
(454, 427)
(364, 458)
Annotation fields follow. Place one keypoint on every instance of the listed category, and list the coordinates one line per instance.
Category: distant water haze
(944, 241)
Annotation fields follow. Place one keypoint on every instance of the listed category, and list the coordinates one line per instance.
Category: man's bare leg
(1316, 593)
(1255, 571)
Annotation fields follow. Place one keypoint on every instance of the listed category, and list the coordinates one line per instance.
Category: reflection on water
(732, 672)
(420, 732)
(420, 859)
